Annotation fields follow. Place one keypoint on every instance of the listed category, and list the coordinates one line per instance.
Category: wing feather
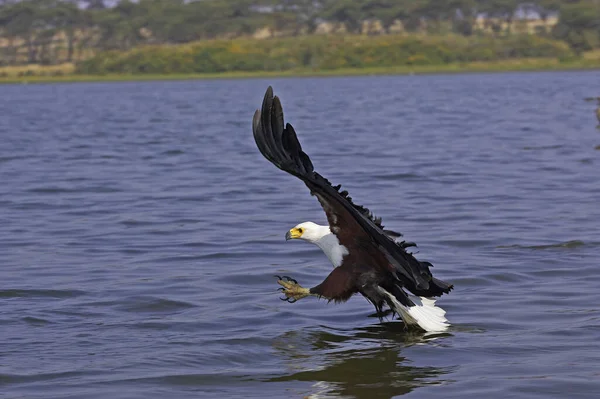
(355, 226)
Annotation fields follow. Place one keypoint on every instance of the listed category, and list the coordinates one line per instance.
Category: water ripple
(567, 245)
(40, 293)
(151, 304)
(141, 230)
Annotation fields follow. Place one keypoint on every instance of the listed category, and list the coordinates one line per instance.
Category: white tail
(424, 313)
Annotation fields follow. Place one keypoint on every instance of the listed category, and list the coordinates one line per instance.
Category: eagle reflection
(362, 363)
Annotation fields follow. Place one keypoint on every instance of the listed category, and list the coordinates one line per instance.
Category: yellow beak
(293, 233)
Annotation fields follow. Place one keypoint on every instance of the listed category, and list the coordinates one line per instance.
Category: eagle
(366, 258)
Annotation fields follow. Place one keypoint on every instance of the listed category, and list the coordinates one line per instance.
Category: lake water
(140, 230)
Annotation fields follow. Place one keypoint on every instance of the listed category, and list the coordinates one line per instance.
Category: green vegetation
(579, 25)
(27, 74)
(320, 53)
(282, 36)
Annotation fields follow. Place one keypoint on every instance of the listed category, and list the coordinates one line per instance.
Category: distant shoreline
(514, 65)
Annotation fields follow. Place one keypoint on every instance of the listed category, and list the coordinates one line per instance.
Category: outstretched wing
(354, 225)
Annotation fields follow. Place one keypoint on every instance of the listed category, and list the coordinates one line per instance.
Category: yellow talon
(292, 290)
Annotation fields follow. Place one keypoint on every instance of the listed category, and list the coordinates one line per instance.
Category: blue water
(140, 230)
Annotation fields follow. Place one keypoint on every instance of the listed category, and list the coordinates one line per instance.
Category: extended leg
(338, 287)
(291, 289)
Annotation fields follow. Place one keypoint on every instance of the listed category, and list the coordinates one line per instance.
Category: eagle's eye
(300, 230)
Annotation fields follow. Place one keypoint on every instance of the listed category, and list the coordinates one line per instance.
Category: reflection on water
(362, 363)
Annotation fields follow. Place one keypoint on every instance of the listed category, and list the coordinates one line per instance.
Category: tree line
(54, 31)
(322, 53)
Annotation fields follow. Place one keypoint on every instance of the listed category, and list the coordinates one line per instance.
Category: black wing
(280, 145)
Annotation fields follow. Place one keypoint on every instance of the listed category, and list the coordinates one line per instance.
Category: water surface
(141, 229)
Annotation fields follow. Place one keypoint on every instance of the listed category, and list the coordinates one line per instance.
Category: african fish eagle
(367, 259)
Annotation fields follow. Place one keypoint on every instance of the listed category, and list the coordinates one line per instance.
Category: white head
(308, 231)
(322, 237)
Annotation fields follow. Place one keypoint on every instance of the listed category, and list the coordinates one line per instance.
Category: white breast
(330, 245)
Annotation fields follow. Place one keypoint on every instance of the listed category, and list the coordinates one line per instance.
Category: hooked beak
(293, 233)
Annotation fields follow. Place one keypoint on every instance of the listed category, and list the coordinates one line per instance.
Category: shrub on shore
(320, 53)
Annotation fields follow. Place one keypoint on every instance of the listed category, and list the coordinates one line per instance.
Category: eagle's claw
(289, 300)
(288, 278)
(291, 289)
